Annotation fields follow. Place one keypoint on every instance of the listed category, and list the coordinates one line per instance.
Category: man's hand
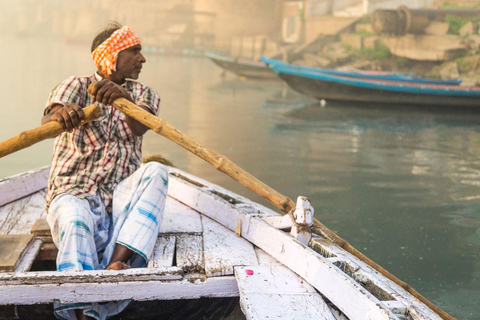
(106, 91)
(69, 116)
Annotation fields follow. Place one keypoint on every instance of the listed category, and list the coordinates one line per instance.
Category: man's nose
(142, 58)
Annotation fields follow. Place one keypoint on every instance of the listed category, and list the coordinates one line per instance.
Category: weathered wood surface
(21, 185)
(12, 248)
(162, 286)
(317, 270)
(19, 216)
(178, 218)
(264, 259)
(275, 292)
(163, 253)
(29, 256)
(41, 228)
(391, 294)
(223, 250)
(190, 253)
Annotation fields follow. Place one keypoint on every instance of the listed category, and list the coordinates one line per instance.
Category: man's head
(116, 52)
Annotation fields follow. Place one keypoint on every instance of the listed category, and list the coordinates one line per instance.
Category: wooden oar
(280, 201)
(49, 130)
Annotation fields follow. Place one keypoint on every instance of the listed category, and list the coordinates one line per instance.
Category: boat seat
(13, 247)
(41, 230)
(18, 251)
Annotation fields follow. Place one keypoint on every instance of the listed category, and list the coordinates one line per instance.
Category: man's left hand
(106, 92)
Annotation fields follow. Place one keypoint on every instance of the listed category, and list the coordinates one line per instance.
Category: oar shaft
(280, 201)
(49, 130)
(220, 162)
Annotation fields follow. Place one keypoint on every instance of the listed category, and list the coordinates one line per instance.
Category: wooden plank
(41, 228)
(23, 184)
(270, 279)
(12, 248)
(19, 216)
(190, 253)
(264, 259)
(94, 276)
(223, 250)
(275, 292)
(30, 255)
(163, 253)
(178, 218)
(348, 295)
(155, 289)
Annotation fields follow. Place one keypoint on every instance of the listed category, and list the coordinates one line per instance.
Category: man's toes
(118, 265)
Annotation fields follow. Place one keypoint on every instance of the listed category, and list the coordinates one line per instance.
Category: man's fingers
(67, 118)
(106, 92)
(113, 97)
(58, 118)
(79, 111)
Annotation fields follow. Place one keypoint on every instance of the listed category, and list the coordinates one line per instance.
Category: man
(104, 207)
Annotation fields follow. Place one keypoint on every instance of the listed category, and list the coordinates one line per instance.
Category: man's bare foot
(118, 265)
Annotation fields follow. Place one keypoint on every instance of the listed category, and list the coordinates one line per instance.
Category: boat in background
(333, 87)
(363, 74)
(243, 67)
(213, 243)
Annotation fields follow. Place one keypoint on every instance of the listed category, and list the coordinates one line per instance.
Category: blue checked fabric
(86, 235)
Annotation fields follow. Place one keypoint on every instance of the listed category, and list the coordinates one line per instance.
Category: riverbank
(435, 45)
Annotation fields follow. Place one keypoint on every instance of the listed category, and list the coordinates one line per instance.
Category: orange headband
(106, 54)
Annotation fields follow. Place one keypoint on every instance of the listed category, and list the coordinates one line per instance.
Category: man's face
(129, 63)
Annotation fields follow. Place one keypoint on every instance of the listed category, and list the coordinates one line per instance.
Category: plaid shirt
(97, 158)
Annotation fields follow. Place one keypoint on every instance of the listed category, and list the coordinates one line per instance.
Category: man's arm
(106, 92)
(69, 116)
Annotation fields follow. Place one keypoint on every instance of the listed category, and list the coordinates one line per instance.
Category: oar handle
(49, 130)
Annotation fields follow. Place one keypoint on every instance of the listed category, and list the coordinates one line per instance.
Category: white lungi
(86, 235)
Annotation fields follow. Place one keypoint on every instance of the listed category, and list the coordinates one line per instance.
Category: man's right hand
(69, 116)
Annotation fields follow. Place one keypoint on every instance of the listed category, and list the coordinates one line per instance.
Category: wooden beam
(23, 184)
(154, 289)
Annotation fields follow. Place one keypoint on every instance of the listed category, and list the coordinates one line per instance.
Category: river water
(401, 184)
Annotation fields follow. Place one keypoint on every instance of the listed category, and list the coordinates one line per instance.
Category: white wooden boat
(213, 243)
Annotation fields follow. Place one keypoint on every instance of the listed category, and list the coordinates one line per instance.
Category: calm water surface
(402, 186)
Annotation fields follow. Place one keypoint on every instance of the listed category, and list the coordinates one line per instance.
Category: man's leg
(138, 205)
(79, 228)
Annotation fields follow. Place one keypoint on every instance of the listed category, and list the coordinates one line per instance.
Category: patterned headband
(106, 54)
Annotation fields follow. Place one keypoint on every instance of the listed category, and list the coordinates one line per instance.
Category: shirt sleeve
(150, 99)
(68, 91)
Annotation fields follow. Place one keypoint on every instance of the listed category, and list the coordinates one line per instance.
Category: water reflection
(404, 179)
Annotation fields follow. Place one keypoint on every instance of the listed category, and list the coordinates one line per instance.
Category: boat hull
(362, 74)
(330, 90)
(244, 68)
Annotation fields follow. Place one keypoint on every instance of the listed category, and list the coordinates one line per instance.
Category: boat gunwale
(391, 76)
(420, 89)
